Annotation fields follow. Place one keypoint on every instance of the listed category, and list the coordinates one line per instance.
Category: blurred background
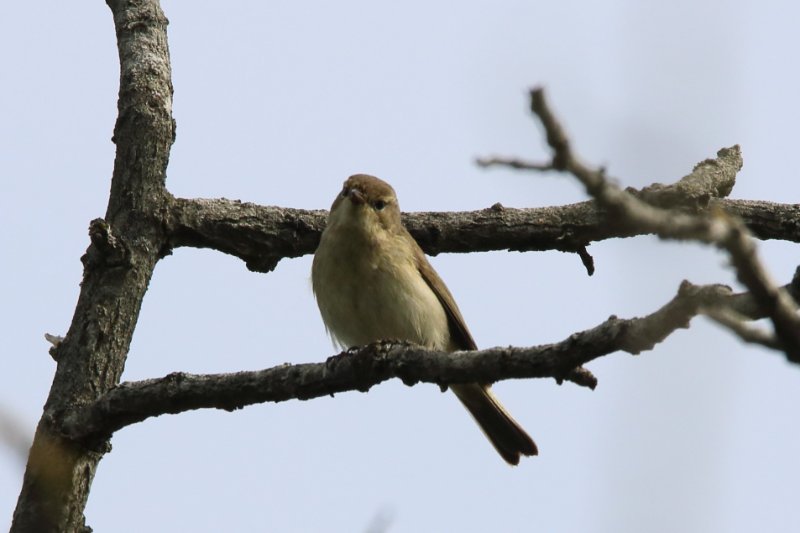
(277, 103)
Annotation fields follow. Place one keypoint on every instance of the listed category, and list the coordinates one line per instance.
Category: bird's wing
(459, 334)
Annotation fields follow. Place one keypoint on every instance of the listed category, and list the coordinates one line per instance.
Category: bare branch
(511, 162)
(259, 235)
(363, 368)
(766, 220)
(117, 268)
(580, 376)
(714, 227)
(586, 259)
(262, 235)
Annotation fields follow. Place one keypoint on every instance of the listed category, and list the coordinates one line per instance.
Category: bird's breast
(373, 291)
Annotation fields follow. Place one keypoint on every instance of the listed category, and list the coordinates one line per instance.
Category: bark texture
(263, 235)
(118, 265)
(361, 369)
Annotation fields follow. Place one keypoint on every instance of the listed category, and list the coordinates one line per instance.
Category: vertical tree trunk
(118, 265)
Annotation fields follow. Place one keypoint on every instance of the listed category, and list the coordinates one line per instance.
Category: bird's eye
(378, 205)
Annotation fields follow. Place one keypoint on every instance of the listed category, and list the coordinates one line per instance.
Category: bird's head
(366, 203)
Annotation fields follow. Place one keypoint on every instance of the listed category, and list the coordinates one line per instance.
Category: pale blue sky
(277, 103)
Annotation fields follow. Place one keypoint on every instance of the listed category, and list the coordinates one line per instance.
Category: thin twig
(715, 227)
(514, 163)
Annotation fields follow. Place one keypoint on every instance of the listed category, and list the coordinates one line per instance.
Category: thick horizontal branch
(259, 235)
(766, 220)
(363, 368)
(263, 235)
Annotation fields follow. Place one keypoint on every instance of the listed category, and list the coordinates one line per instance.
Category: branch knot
(106, 248)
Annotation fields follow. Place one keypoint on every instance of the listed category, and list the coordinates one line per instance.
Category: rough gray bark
(263, 235)
(117, 268)
(362, 369)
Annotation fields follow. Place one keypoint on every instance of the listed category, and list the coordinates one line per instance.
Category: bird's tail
(505, 434)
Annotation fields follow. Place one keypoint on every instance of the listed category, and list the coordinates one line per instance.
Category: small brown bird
(372, 282)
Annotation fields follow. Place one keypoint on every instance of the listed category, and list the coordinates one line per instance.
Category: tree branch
(262, 235)
(512, 162)
(363, 368)
(714, 227)
(117, 268)
(259, 235)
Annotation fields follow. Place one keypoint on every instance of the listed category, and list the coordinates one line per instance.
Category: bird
(372, 282)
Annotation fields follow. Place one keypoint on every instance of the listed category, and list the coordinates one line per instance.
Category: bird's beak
(356, 196)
